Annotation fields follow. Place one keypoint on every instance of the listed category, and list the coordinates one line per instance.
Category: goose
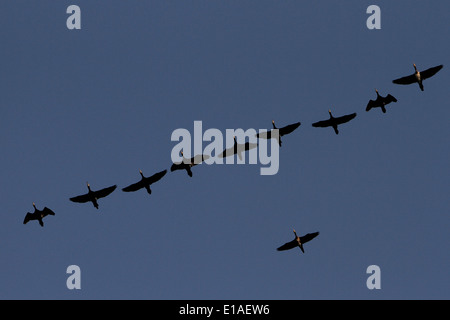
(281, 131)
(145, 182)
(298, 241)
(418, 76)
(187, 164)
(334, 122)
(93, 196)
(38, 215)
(380, 102)
(237, 149)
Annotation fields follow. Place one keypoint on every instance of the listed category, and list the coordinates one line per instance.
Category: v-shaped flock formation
(187, 164)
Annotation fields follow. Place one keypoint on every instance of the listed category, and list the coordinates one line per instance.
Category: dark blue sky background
(98, 104)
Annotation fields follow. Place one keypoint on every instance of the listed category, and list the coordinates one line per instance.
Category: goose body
(418, 76)
(93, 196)
(38, 215)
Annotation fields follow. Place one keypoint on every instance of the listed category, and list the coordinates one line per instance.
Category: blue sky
(98, 104)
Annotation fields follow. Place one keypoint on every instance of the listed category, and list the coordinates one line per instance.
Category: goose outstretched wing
(156, 177)
(288, 245)
(134, 187)
(430, 72)
(406, 80)
(371, 104)
(29, 216)
(308, 237)
(345, 118)
(289, 128)
(81, 199)
(46, 211)
(322, 124)
(389, 98)
(104, 192)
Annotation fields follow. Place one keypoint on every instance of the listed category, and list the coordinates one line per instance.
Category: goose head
(184, 160)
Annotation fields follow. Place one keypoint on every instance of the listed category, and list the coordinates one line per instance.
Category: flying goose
(93, 196)
(418, 76)
(281, 131)
(145, 182)
(334, 122)
(298, 241)
(38, 215)
(380, 102)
